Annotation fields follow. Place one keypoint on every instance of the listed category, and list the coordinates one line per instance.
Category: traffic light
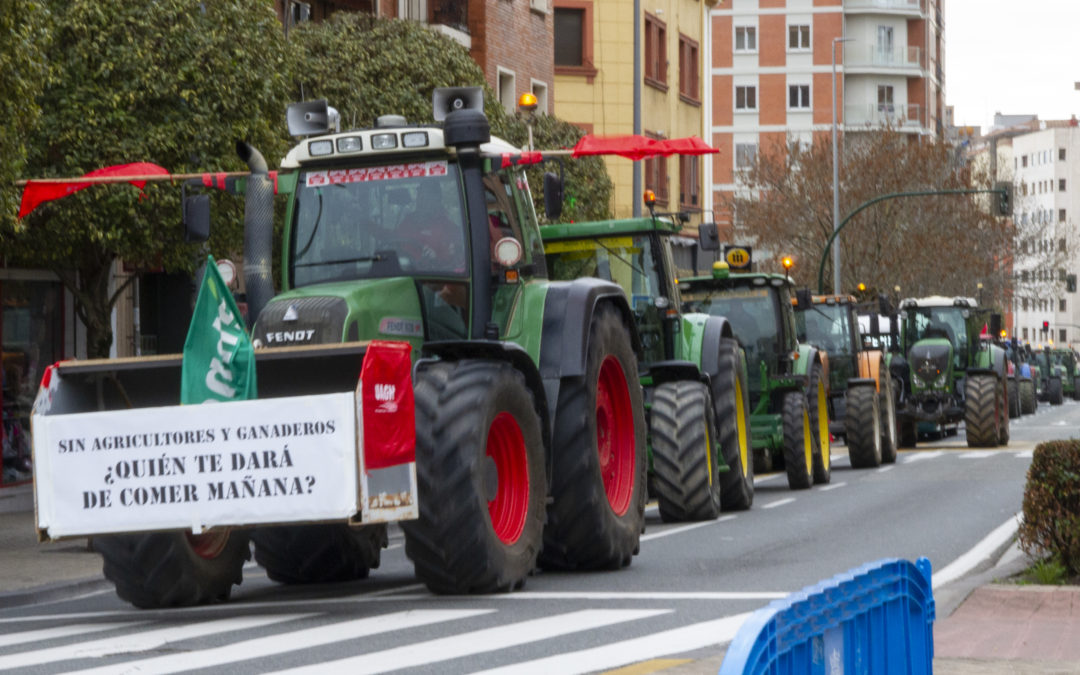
(1005, 194)
(1046, 326)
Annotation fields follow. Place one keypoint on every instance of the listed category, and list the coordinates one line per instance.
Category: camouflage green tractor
(692, 369)
(788, 382)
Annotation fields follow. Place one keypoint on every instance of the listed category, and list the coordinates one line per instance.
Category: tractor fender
(807, 356)
(991, 361)
(862, 382)
(512, 353)
(673, 371)
(716, 328)
(870, 366)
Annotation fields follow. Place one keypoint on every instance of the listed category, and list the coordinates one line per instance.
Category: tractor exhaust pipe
(258, 231)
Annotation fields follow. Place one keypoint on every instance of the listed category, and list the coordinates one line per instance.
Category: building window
(1023, 160)
(540, 91)
(656, 176)
(798, 37)
(1025, 334)
(1061, 154)
(1061, 245)
(655, 52)
(745, 98)
(885, 100)
(745, 155)
(507, 90)
(1061, 306)
(1061, 335)
(798, 96)
(1023, 304)
(689, 79)
(689, 182)
(745, 38)
(1061, 215)
(572, 22)
(1061, 185)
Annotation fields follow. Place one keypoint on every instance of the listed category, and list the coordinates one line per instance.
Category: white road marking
(141, 642)
(620, 595)
(762, 479)
(288, 642)
(675, 641)
(479, 641)
(1026, 454)
(889, 467)
(60, 632)
(979, 553)
(778, 502)
(684, 528)
(978, 454)
(928, 454)
(832, 486)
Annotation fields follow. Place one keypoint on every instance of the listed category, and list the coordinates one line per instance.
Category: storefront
(32, 330)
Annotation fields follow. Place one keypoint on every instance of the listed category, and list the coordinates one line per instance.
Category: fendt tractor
(692, 370)
(1064, 364)
(949, 374)
(530, 432)
(861, 393)
(789, 417)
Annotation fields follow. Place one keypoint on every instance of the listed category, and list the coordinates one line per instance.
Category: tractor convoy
(511, 394)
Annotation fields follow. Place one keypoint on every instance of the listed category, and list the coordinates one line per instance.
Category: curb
(950, 596)
(63, 590)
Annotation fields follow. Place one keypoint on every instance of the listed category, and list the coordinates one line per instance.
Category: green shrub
(1052, 504)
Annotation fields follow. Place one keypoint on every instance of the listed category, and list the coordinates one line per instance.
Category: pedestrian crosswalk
(334, 642)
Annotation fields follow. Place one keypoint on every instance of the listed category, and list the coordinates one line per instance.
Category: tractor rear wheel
(818, 407)
(982, 411)
(731, 399)
(890, 427)
(683, 432)
(798, 441)
(1054, 391)
(1028, 402)
(316, 554)
(597, 510)
(481, 478)
(862, 424)
(1014, 398)
(1076, 389)
(1003, 403)
(174, 569)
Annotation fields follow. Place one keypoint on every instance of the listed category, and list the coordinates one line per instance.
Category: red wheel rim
(509, 508)
(208, 545)
(615, 435)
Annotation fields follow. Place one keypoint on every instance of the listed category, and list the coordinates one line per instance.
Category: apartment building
(775, 62)
(597, 88)
(510, 41)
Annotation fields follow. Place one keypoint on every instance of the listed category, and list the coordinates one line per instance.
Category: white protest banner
(271, 460)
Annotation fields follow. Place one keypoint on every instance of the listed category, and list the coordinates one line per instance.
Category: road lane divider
(778, 502)
(831, 486)
(684, 528)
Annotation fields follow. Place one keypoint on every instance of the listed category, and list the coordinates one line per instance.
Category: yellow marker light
(787, 262)
(527, 101)
(1004, 333)
(720, 270)
(649, 197)
(862, 287)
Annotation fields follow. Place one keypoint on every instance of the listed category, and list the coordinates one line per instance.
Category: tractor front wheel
(1028, 402)
(817, 400)
(982, 411)
(863, 427)
(731, 398)
(1055, 391)
(597, 510)
(481, 478)
(683, 433)
(174, 569)
(798, 441)
(316, 554)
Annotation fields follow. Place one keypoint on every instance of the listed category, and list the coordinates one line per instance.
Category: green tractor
(949, 372)
(530, 427)
(862, 396)
(1063, 361)
(788, 382)
(1022, 391)
(692, 369)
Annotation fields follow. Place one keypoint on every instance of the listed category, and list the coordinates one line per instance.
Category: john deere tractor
(862, 395)
(530, 427)
(788, 383)
(949, 373)
(692, 370)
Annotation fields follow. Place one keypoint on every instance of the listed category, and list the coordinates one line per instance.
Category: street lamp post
(835, 168)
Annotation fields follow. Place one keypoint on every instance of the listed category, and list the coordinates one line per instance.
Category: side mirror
(804, 298)
(196, 218)
(884, 306)
(553, 196)
(708, 237)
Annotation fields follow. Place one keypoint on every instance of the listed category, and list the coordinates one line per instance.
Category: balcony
(906, 61)
(907, 7)
(904, 117)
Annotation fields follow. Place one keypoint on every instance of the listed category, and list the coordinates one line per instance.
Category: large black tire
(1014, 398)
(731, 398)
(682, 428)
(1003, 403)
(1028, 402)
(316, 554)
(890, 424)
(862, 425)
(909, 432)
(982, 411)
(1054, 391)
(174, 569)
(817, 402)
(798, 441)
(481, 478)
(1076, 389)
(597, 510)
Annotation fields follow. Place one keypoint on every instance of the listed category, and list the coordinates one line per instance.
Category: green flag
(219, 359)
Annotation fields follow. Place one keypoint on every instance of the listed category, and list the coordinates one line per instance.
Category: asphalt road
(683, 597)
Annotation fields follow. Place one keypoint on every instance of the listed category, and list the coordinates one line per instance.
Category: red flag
(630, 146)
(39, 192)
(691, 145)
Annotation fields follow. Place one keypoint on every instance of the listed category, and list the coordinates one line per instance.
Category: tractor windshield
(626, 260)
(378, 221)
(827, 327)
(938, 322)
(752, 313)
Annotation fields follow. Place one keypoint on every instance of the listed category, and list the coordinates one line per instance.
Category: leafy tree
(925, 245)
(171, 82)
(24, 25)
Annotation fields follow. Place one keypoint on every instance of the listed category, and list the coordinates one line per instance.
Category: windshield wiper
(370, 258)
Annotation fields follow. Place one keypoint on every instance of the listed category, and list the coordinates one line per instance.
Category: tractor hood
(931, 361)
(387, 309)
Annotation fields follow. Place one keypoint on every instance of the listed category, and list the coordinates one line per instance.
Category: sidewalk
(982, 627)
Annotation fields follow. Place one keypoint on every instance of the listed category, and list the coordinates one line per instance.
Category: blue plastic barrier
(876, 618)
